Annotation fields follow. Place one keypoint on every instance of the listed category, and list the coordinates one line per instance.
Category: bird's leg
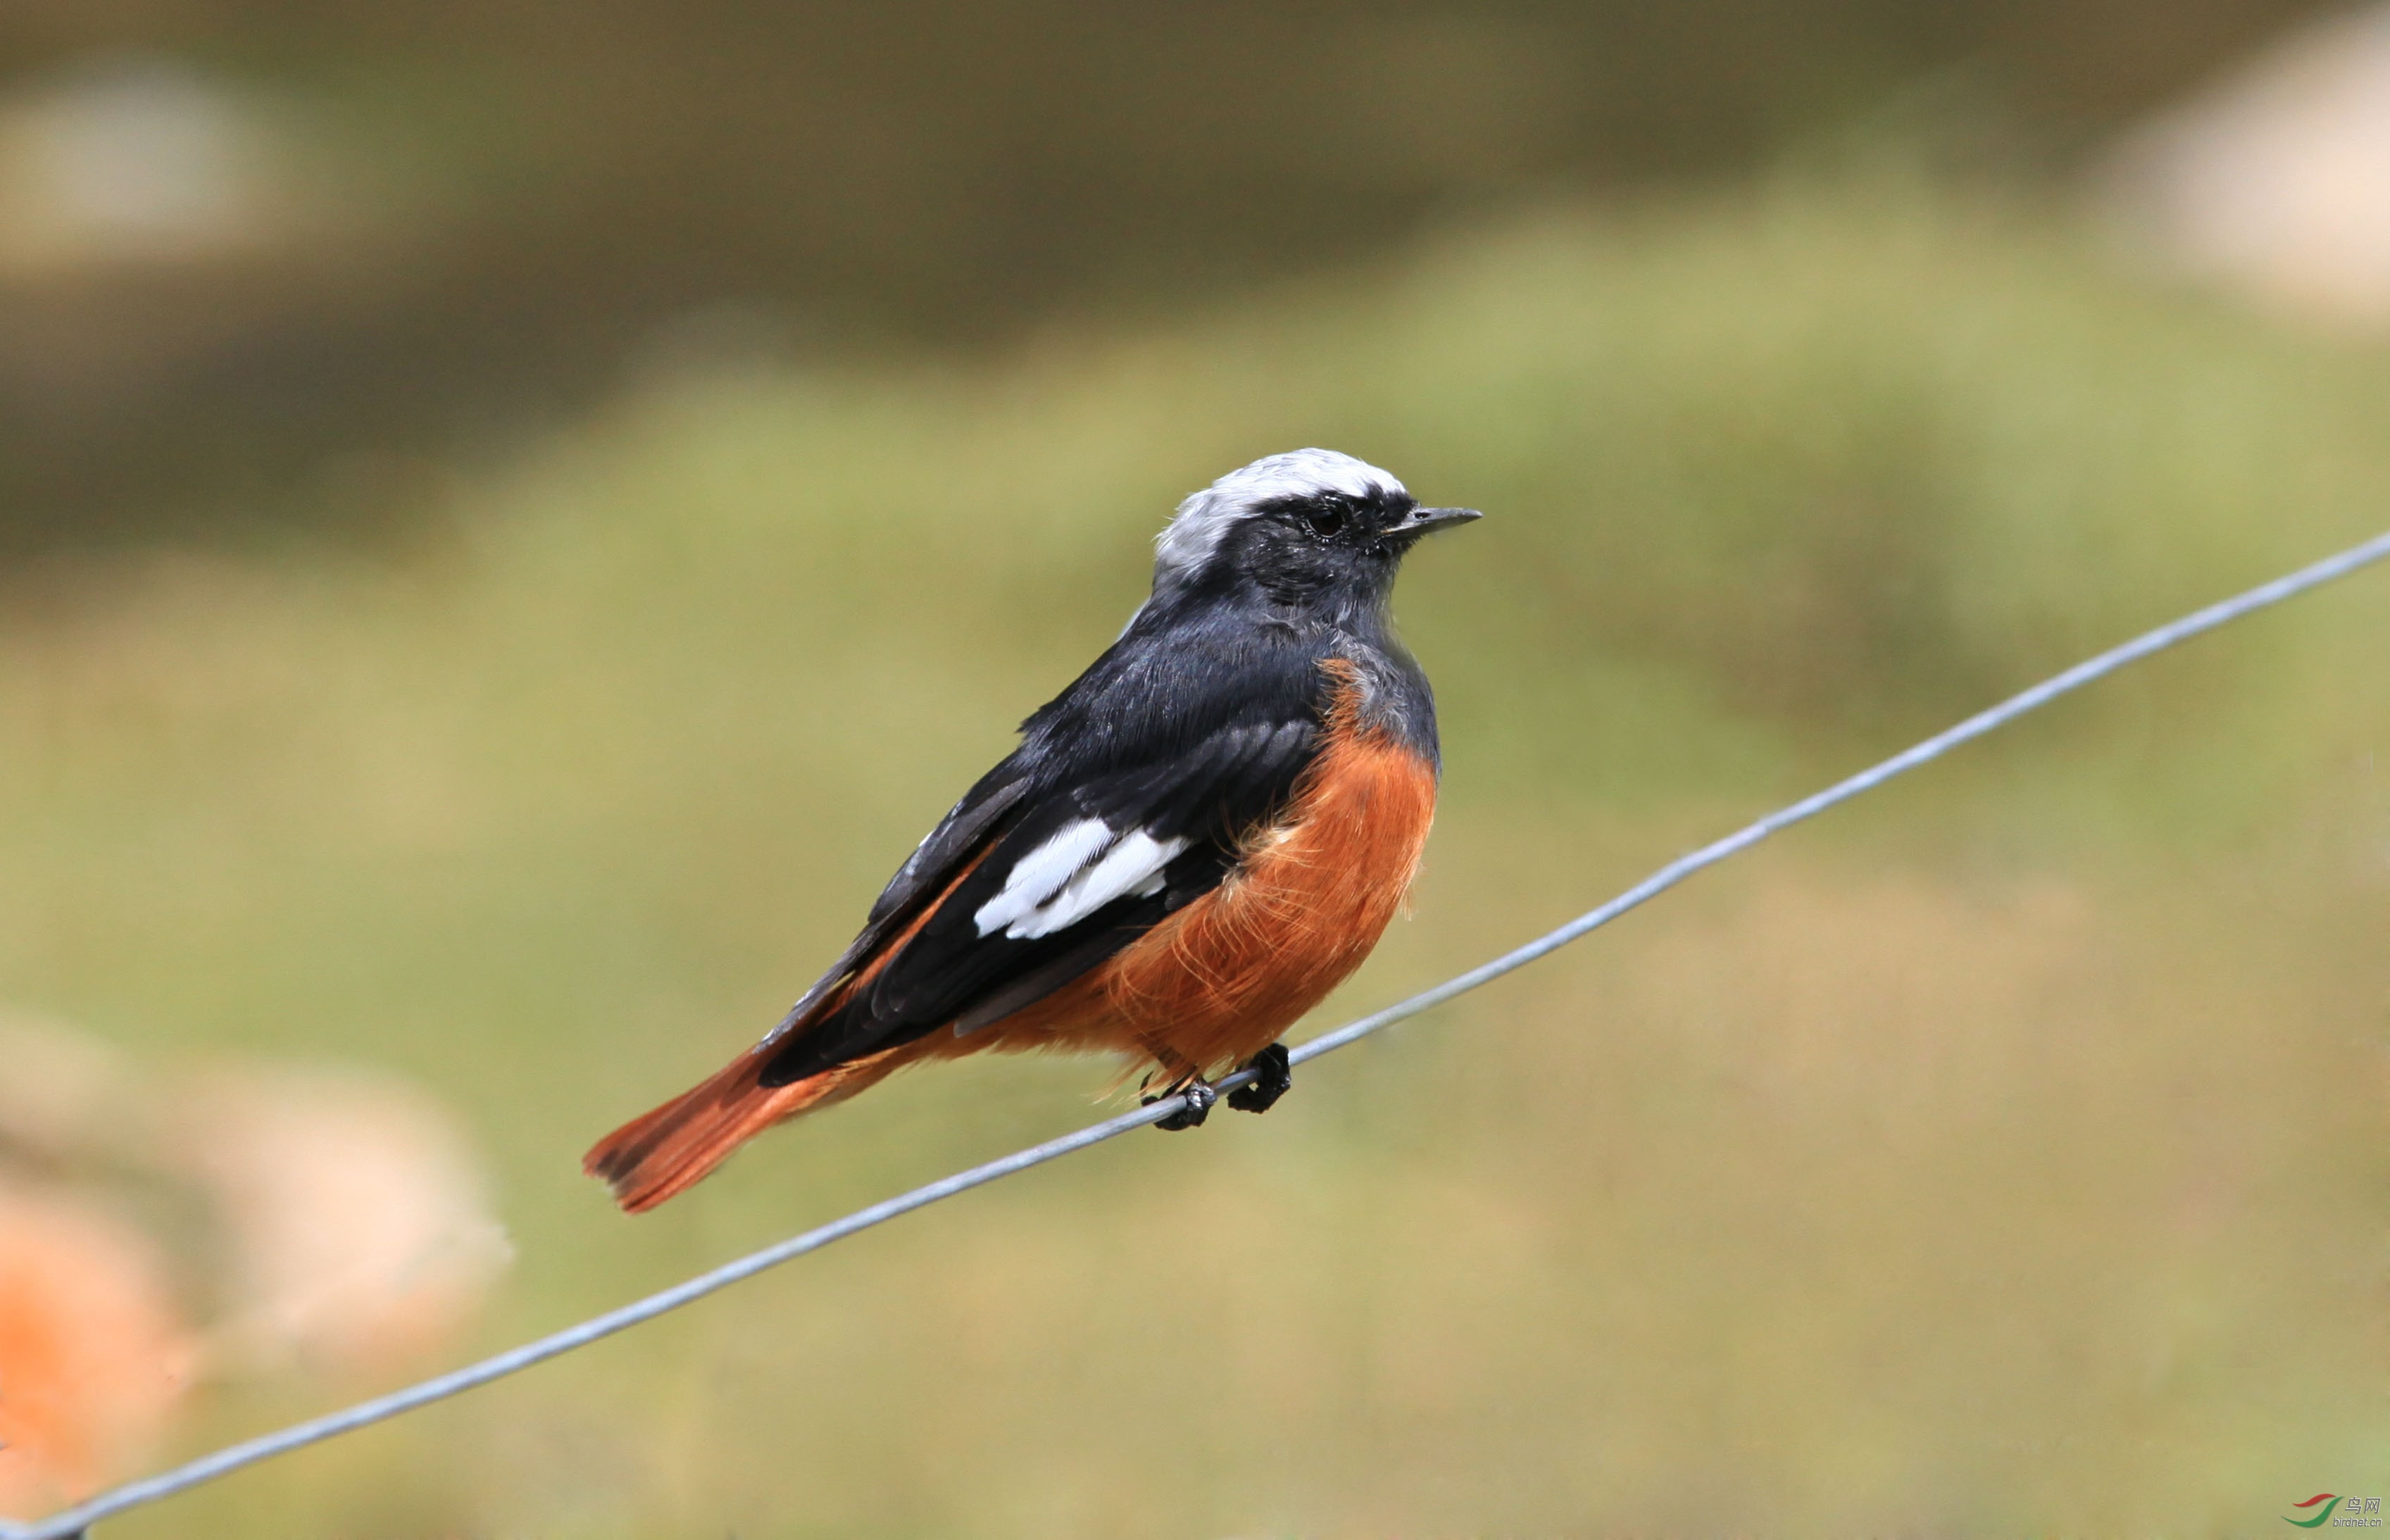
(1191, 1083)
(1273, 1077)
(1199, 1098)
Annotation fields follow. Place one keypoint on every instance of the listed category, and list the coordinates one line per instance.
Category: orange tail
(670, 1150)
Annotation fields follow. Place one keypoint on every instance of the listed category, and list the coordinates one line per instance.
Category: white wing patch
(1081, 868)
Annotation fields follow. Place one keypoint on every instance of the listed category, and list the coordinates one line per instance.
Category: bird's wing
(1023, 888)
(986, 812)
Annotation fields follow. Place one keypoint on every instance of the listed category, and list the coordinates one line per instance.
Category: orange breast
(1224, 977)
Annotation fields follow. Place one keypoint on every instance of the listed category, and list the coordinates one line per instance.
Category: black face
(1327, 548)
(1339, 518)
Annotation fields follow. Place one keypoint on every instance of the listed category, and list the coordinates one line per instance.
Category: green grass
(2003, 1155)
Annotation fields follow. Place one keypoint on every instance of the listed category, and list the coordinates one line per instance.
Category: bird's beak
(1429, 521)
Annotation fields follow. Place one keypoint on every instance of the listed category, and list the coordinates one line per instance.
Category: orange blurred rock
(92, 1354)
(347, 1223)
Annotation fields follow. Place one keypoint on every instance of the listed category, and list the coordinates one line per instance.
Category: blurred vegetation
(476, 214)
(2004, 1156)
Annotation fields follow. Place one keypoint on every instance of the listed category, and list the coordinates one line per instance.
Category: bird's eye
(1325, 520)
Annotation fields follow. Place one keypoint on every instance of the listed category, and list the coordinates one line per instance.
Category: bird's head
(1309, 530)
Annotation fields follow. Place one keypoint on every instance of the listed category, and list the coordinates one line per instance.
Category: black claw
(1273, 1077)
(1199, 1098)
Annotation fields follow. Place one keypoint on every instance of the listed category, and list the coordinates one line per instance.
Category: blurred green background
(502, 623)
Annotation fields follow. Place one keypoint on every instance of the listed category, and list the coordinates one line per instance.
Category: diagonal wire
(69, 1524)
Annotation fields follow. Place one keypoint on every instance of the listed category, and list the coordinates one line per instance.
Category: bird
(1195, 842)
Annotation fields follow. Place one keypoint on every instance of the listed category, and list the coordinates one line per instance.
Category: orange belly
(1224, 977)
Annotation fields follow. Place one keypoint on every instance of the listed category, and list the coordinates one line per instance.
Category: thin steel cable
(69, 1523)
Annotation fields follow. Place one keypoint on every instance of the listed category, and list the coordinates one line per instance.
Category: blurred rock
(93, 1357)
(64, 1092)
(341, 1221)
(363, 1235)
(137, 160)
(2277, 181)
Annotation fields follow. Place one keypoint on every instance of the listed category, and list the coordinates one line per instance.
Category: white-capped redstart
(1193, 845)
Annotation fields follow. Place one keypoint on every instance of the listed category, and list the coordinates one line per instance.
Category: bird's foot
(1273, 1077)
(1199, 1098)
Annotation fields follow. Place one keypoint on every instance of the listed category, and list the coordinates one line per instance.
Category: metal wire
(71, 1522)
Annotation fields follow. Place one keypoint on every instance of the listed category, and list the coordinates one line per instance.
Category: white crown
(1189, 539)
